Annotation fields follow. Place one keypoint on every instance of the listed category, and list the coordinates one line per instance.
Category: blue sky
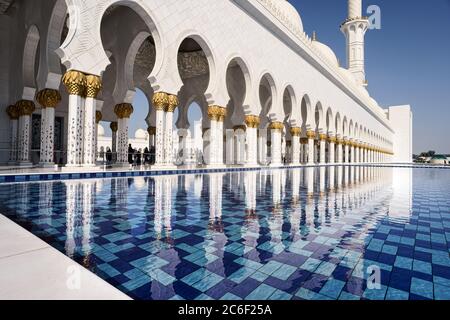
(407, 61)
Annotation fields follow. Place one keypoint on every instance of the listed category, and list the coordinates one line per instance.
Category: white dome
(140, 134)
(291, 15)
(100, 130)
(326, 51)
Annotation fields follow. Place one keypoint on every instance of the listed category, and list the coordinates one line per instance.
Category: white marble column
(331, 151)
(295, 133)
(168, 130)
(26, 109)
(275, 131)
(262, 146)
(214, 156)
(13, 113)
(346, 150)
(220, 133)
(339, 142)
(151, 137)
(230, 147)
(114, 127)
(352, 152)
(323, 140)
(123, 112)
(93, 87)
(311, 135)
(252, 123)
(98, 118)
(75, 83)
(160, 103)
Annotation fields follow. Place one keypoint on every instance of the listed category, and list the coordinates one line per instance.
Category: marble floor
(33, 270)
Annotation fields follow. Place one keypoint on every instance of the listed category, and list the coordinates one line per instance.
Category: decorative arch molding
(215, 93)
(330, 123)
(50, 72)
(248, 104)
(319, 118)
(29, 61)
(125, 82)
(83, 48)
(306, 113)
(293, 118)
(275, 114)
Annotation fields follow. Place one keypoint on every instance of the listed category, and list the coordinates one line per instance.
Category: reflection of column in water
(250, 195)
(352, 175)
(88, 206)
(309, 180)
(339, 170)
(276, 188)
(346, 175)
(322, 172)
(331, 177)
(72, 205)
(296, 212)
(167, 206)
(22, 198)
(45, 202)
(283, 177)
(295, 182)
(198, 186)
(215, 202)
(159, 189)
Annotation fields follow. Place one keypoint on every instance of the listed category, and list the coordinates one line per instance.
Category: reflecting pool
(313, 233)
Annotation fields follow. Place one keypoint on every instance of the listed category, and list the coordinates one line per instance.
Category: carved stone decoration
(192, 64)
(310, 134)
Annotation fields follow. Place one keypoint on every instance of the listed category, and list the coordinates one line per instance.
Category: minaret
(354, 29)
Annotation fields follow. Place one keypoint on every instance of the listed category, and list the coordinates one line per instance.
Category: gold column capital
(252, 121)
(215, 112)
(296, 131)
(151, 131)
(310, 134)
(98, 116)
(48, 98)
(160, 101)
(323, 137)
(339, 141)
(93, 86)
(123, 110)
(172, 103)
(240, 127)
(223, 114)
(332, 139)
(26, 107)
(13, 112)
(276, 125)
(75, 82)
(114, 126)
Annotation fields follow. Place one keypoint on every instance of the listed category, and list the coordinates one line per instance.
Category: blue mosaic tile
(196, 244)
